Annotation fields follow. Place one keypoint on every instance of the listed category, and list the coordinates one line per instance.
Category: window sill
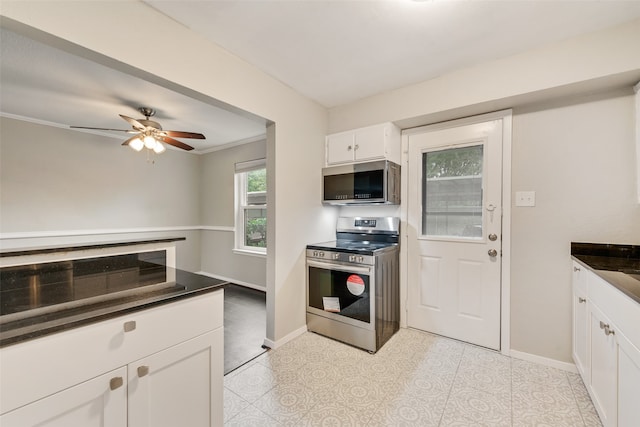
(250, 253)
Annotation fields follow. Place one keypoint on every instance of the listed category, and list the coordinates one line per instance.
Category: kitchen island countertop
(30, 324)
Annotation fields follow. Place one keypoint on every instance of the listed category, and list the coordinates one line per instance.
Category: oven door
(341, 292)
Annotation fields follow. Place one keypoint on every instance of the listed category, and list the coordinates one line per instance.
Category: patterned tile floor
(416, 379)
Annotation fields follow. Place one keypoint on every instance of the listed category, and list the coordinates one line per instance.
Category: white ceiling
(334, 52)
(338, 51)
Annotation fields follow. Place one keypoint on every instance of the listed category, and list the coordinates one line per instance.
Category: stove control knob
(360, 259)
(321, 254)
(315, 253)
(336, 256)
(352, 258)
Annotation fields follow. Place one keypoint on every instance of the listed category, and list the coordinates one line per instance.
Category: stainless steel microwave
(362, 183)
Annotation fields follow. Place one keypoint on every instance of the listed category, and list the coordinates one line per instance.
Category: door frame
(505, 273)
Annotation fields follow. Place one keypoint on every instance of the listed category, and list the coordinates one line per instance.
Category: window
(251, 206)
(452, 193)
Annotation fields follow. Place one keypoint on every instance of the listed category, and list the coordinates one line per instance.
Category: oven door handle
(347, 268)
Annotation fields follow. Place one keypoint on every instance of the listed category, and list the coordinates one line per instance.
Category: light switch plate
(525, 198)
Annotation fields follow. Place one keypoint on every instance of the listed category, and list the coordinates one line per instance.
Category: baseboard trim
(564, 366)
(237, 282)
(282, 341)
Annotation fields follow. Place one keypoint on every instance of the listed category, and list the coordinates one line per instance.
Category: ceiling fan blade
(179, 134)
(129, 140)
(175, 143)
(115, 130)
(133, 122)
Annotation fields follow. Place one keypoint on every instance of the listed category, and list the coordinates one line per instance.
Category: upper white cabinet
(606, 347)
(379, 142)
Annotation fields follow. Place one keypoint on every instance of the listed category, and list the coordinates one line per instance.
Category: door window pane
(452, 193)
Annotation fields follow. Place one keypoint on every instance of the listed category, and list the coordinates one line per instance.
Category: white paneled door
(454, 232)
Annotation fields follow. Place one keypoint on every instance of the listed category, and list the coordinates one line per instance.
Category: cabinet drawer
(41, 367)
(622, 310)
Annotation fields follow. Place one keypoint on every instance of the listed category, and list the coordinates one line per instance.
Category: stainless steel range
(353, 282)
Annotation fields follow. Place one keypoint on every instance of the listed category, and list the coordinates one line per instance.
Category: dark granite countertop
(59, 309)
(619, 265)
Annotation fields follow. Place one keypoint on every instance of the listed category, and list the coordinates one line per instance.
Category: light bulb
(136, 144)
(159, 148)
(149, 142)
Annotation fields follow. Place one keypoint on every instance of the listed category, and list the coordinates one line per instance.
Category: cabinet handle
(116, 382)
(607, 329)
(129, 326)
(142, 371)
(581, 300)
(576, 268)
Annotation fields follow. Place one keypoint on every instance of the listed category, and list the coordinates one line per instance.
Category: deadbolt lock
(493, 237)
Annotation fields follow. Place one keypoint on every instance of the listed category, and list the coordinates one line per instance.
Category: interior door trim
(505, 300)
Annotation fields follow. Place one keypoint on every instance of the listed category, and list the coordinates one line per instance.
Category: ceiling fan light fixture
(136, 144)
(150, 142)
(159, 148)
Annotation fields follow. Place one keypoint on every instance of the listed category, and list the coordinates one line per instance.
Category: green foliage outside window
(256, 219)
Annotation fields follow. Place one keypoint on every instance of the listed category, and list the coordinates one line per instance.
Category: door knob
(492, 253)
(493, 237)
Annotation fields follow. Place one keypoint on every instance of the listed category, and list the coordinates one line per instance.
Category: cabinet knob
(576, 268)
(607, 329)
(349, 148)
(116, 382)
(143, 370)
(581, 300)
(356, 147)
(129, 326)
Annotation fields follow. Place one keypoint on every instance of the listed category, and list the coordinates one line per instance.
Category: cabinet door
(604, 367)
(179, 386)
(370, 143)
(580, 332)
(628, 383)
(99, 402)
(340, 148)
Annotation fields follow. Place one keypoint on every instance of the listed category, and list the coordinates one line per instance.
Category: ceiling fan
(149, 133)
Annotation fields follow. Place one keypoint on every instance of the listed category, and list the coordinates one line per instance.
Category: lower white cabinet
(606, 347)
(168, 371)
(580, 321)
(604, 367)
(173, 387)
(98, 402)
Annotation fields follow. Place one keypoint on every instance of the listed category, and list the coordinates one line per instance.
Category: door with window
(454, 232)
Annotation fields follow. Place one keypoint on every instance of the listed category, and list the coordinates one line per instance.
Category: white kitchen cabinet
(610, 368)
(628, 383)
(379, 142)
(173, 387)
(98, 402)
(580, 320)
(170, 359)
(604, 366)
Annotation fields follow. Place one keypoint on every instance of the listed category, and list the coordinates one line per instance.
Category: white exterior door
(454, 217)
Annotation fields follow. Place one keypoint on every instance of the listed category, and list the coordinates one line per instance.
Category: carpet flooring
(245, 324)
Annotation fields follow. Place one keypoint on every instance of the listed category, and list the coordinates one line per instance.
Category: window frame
(242, 207)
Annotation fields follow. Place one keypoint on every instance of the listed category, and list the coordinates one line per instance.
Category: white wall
(84, 187)
(217, 213)
(577, 155)
(294, 148)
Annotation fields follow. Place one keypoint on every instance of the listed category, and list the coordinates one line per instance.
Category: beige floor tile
(472, 407)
